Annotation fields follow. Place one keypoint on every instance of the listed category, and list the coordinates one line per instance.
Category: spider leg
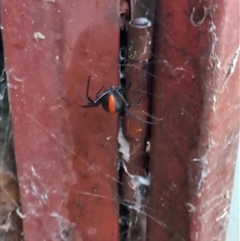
(90, 99)
(99, 92)
(129, 86)
(138, 118)
(71, 102)
(128, 105)
(89, 78)
(135, 104)
(90, 104)
(151, 116)
(97, 102)
(88, 86)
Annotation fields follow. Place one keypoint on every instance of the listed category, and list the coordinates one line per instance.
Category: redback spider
(112, 101)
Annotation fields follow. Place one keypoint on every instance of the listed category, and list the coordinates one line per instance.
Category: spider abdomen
(112, 103)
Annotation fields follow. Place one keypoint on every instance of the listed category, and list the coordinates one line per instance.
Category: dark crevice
(124, 213)
(123, 209)
(10, 222)
(135, 67)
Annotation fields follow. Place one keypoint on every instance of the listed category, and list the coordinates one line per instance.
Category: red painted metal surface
(66, 156)
(196, 93)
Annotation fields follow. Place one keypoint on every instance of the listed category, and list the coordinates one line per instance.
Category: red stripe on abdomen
(111, 104)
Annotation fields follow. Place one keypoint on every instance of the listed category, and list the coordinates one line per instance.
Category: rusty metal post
(66, 156)
(135, 130)
(196, 93)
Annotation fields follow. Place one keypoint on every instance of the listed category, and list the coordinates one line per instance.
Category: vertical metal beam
(135, 127)
(66, 156)
(196, 93)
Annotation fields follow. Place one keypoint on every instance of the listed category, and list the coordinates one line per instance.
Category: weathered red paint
(66, 156)
(196, 93)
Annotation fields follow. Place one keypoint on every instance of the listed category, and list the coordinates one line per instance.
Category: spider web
(139, 184)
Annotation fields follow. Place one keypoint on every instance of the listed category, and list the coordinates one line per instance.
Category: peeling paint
(20, 214)
(232, 65)
(204, 170)
(191, 208)
(137, 184)
(65, 226)
(38, 35)
(124, 147)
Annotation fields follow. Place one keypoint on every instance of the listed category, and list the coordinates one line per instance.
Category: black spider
(112, 101)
